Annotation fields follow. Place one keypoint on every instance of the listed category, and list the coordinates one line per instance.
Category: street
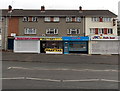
(37, 75)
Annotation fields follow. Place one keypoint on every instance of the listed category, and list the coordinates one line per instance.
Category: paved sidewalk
(70, 58)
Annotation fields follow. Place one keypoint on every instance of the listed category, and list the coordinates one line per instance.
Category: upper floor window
(0, 30)
(34, 19)
(106, 19)
(101, 31)
(30, 19)
(73, 31)
(1, 18)
(51, 19)
(110, 31)
(29, 31)
(51, 31)
(101, 19)
(73, 19)
(25, 19)
(95, 19)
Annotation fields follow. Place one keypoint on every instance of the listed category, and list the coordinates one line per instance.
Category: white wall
(90, 24)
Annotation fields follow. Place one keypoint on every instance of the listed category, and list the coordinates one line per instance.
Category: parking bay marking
(63, 69)
(55, 80)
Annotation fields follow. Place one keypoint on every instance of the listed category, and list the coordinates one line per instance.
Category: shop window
(51, 31)
(29, 31)
(25, 19)
(110, 31)
(73, 31)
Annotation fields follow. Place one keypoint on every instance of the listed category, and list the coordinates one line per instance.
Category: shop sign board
(26, 38)
(104, 37)
(51, 39)
(75, 38)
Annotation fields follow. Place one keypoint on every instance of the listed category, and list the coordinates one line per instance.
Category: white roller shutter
(104, 47)
(27, 46)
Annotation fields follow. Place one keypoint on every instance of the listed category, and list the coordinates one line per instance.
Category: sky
(111, 5)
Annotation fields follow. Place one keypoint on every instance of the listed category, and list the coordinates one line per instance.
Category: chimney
(42, 8)
(9, 8)
(80, 8)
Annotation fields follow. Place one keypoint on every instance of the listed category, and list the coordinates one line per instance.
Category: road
(36, 75)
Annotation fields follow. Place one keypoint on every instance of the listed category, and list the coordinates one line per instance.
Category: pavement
(64, 58)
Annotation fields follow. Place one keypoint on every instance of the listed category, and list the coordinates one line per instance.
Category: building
(118, 28)
(62, 29)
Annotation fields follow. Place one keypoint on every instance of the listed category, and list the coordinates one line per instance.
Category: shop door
(10, 44)
(43, 46)
(66, 46)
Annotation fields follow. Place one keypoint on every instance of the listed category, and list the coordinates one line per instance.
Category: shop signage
(51, 39)
(25, 38)
(75, 38)
(104, 37)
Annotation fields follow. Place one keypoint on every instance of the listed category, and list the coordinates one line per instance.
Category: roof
(30, 12)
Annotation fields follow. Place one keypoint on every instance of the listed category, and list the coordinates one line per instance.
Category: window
(29, 31)
(0, 30)
(106, 19)
(110, 31)
(34, 19)
(47, 19)
(78, 19)
(101, 31)
(95, 19)
(73, 31)
(1, 18)
(73, 19)
(92, 30)
(68, 19)
(51, 31)
(51, 19)
(56, 19)
(25, 19)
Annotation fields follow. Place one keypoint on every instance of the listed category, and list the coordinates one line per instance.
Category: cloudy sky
(111, 5)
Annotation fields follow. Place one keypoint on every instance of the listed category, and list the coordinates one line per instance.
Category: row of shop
(66, 45)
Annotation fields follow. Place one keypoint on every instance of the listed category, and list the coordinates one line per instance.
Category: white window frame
(100, 30)
(34, 19)
(107, 19)
(92, 30)
(55, 31)
(0, 30)
(25, 19)
(95, 19)
(78, 19)
(1, 18)
(69, 31)
(56, 19)
(47, 19)
(109, 31)
(68, 19)
(29, 31)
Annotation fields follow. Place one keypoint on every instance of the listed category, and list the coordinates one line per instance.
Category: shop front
(75, 44)
(26, 44)
(104, 45)
(51, 45)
